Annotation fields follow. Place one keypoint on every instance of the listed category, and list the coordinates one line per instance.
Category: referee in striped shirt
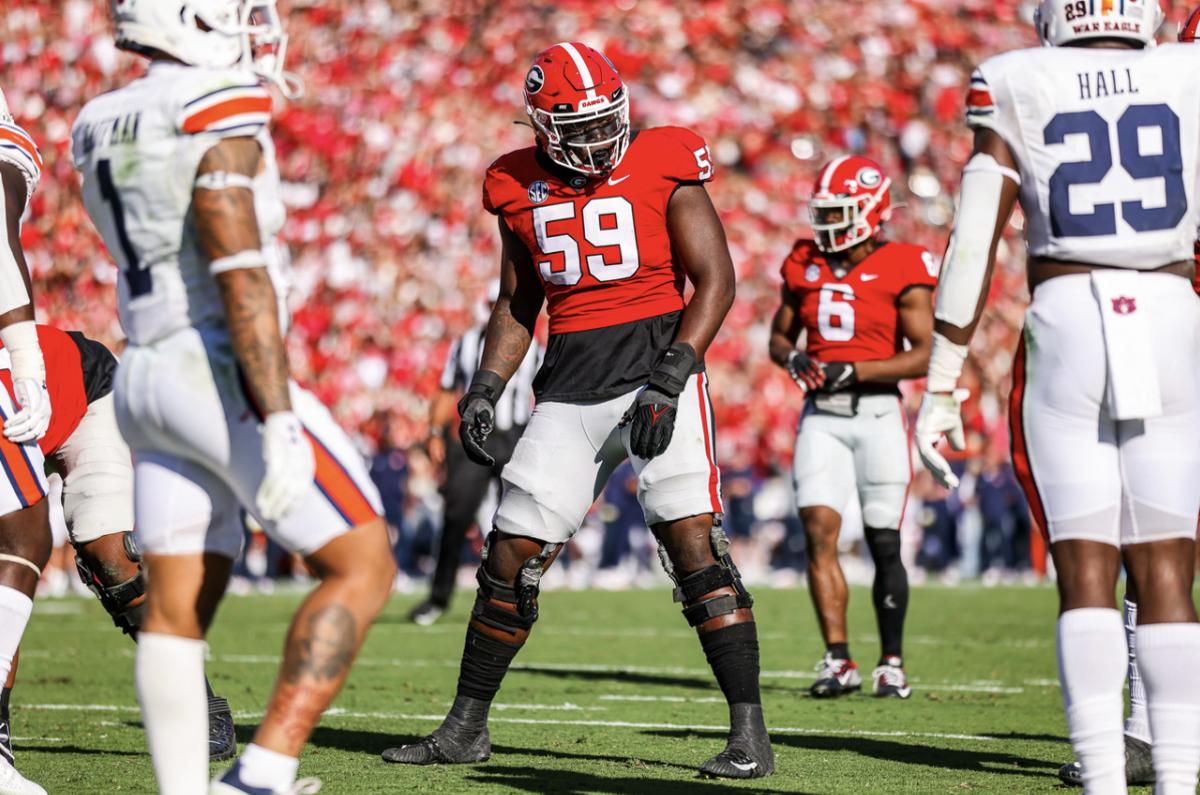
(466, 483)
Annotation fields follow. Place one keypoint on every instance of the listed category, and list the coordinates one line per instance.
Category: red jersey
(64, 381)
(601, 247)
(853, 317)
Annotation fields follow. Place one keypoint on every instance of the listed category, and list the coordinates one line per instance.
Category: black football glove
(651, 418)
(477, 409)
(839, 376)
(804, 370)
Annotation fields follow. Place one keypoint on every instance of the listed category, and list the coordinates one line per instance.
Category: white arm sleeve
(966, 260)
(13, 293)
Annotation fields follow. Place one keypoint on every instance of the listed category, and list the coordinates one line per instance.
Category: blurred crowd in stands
(407, 103)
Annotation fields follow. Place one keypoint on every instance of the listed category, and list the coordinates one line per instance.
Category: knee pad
(522, 594)
(690, 589)
(116, 598)
(883, 544)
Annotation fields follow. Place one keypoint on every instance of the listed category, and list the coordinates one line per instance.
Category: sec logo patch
(812, 273)
(539, 191)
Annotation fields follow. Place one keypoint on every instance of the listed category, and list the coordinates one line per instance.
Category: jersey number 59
(607, 223)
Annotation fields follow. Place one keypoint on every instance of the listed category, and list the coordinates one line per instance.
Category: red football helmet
(579, 108)
(1189, 29)
(850, 203)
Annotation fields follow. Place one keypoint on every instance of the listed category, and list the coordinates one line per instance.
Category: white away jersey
(1107, 141)
(17, 147)
(138, 149)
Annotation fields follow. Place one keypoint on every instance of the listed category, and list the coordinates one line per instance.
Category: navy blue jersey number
(137, 276)
(1167, 166)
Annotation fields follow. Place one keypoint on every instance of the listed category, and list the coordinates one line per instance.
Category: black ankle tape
(732, 653)
(485, 661)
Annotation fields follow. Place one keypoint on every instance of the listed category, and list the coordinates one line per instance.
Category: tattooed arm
(226, 226)
(510, 328)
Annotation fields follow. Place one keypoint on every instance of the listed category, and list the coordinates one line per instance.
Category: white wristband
(21, 341)
(251, 258)
(946, 360)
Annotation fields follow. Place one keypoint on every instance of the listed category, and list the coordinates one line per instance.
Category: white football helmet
(219, 34)
(1060, 22)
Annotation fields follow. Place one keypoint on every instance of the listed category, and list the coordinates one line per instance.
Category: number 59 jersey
(601, 246)
(1107, 143)
(138, 149)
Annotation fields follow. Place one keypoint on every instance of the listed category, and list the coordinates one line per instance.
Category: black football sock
(732, 654)
(889, 592)
(5, 696)
(485, 661)
(839, 651)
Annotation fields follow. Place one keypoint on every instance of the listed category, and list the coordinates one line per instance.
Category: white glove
(940, 414)
(32, 419)
(290, 465)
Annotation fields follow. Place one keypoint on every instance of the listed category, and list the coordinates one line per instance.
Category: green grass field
(611, 695)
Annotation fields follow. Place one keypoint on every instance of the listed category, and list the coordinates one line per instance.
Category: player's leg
(338, 528)
(558, 467)
(680, 493)
(883, 464)
(1066, 457)
(97, 470)
(1160, 458)
(189, 534)
(823, 479)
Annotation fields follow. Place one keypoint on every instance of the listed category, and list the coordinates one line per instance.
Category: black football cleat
(1139, 766)
(444, 747)
(222, 742)
(748, 752)
(462, 739)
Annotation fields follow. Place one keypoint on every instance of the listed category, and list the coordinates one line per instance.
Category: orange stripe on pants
(338, 486)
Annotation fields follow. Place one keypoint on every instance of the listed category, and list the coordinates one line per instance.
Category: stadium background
(409, 100)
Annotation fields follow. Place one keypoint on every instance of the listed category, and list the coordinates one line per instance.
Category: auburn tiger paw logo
(1124, 305)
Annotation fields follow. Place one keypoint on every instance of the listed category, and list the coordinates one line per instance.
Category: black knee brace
(722, 574)
(116, 598)
(522, 595)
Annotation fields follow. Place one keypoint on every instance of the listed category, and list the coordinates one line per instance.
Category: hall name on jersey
(119, 130)
(1106, 83)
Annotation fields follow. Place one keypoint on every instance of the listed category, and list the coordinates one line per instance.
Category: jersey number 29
(1166, 165)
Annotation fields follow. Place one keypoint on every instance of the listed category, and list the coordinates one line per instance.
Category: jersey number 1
(137, 277)
(1167, 165)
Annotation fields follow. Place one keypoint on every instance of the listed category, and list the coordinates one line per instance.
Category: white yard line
(600, 724)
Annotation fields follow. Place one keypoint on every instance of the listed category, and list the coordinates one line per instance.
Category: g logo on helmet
(869, 178)
(535, 80)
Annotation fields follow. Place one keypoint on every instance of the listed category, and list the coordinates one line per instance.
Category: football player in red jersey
(83, 444)
(604, 224)
(859, 298)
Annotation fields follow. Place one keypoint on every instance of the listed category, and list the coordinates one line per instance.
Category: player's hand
(838, 376)
(478, 421)
(290, 465)
(33, 411)
(940, 414)
(804, 370)
(651, 421)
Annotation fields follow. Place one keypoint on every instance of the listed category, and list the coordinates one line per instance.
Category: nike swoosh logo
(743, 766)
(870, 277)
(612, 181)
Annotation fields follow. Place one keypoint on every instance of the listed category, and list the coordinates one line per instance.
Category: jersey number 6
(607, 223)
(1167, 165)
(835, 303)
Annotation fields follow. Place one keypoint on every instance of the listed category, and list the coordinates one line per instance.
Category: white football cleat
(890, 682)
(835, 678)
(13, 783)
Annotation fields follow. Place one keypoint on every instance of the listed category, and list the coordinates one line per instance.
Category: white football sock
(170, 685)
(15, 609)
(1169, 655)
(262, 767)
(1091, 668)
(1137, 725)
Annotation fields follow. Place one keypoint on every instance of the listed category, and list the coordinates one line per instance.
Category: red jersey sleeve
(682, 154)
(795, 266)
(917, 266)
